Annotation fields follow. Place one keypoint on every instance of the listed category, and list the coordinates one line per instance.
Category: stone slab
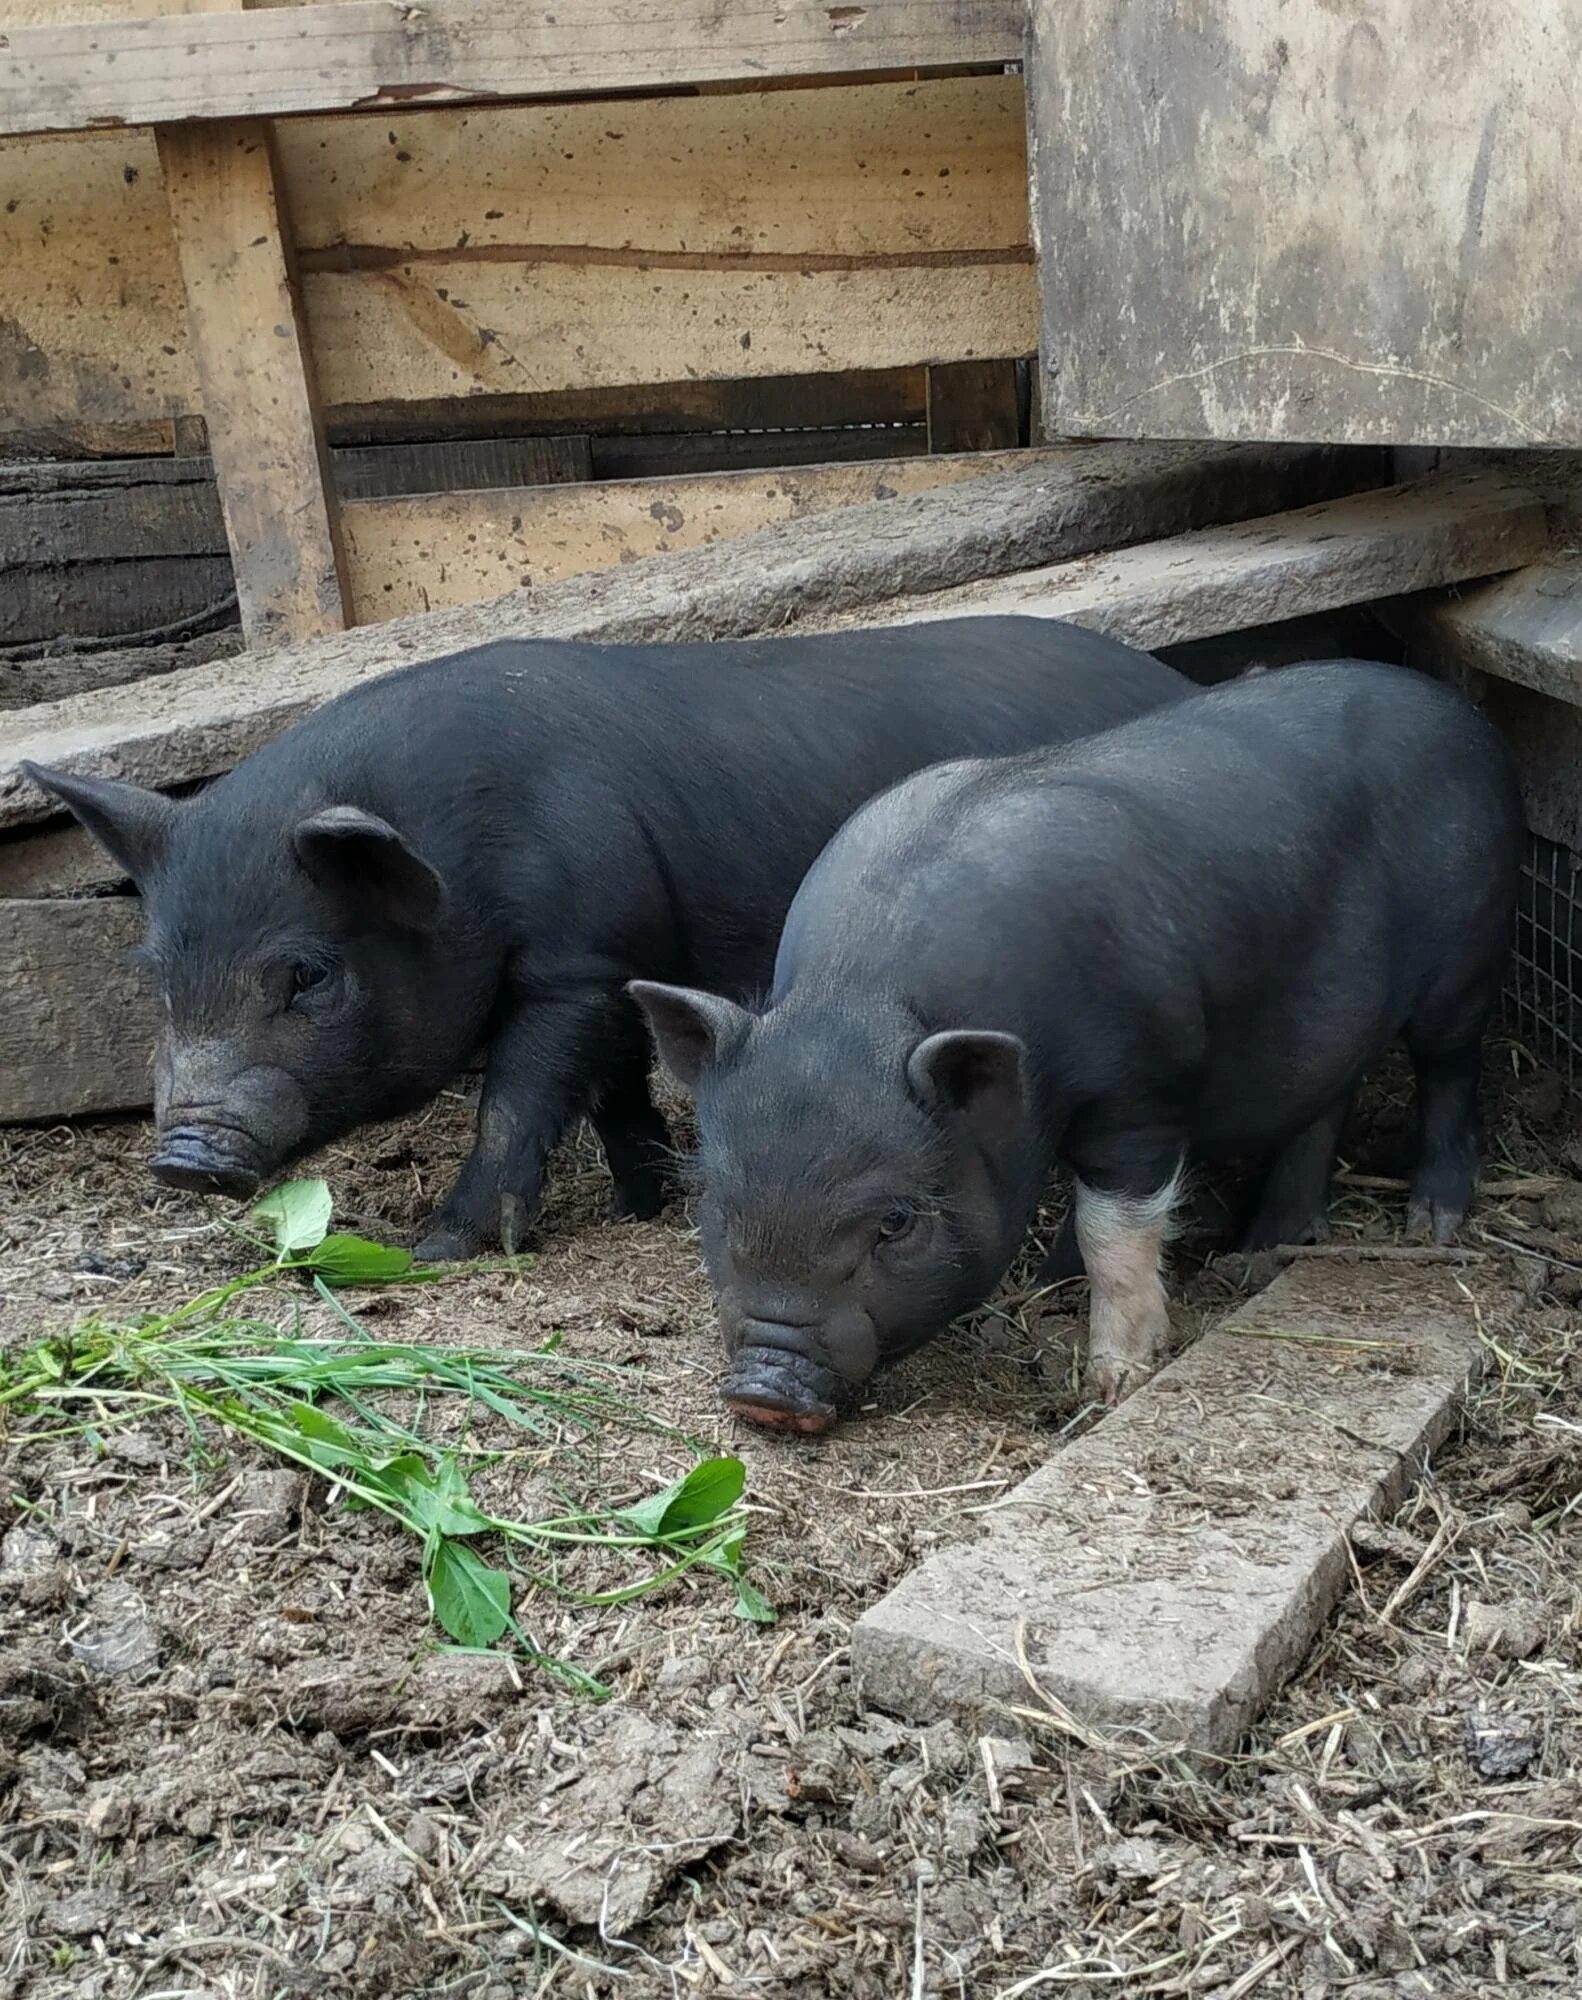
(1167, 1571)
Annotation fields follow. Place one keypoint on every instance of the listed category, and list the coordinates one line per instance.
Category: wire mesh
(1544, 993)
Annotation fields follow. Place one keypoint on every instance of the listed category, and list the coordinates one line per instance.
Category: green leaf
(706, 1495)
(435, 1506)
(471, 1600)
(751, 1603)
(353, 1260)
(298, 1212)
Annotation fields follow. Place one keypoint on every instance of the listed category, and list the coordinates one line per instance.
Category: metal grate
(1544, 995)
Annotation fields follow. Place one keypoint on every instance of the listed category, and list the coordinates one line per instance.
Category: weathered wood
(1525, 628)
(974, 406)
(265, 433)
(1225, 579)
(512, 257)
(371, 472)
(362, 55)
(1320, 222)
(76, 1019)
(407, 555)
(112, 600)
(190, 725)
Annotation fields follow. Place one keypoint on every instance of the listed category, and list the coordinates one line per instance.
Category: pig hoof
(446, 1246)
(1111, 1382)
(1428, 1222)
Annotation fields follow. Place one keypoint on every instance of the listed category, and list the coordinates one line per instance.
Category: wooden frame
(376, 55)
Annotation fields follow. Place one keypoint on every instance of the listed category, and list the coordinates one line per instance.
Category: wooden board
(531, 251)
(377, 55)
(1448, 529)
(1525, 628)
(266, 436)
(975, 406)
(1317, 221)
(195, 722)
(407, 555)
(76, 1019)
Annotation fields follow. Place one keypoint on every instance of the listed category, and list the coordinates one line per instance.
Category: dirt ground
(232, 1762)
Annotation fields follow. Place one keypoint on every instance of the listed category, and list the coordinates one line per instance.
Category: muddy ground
(233, 1761)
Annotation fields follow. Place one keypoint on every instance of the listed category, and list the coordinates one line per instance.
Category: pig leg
(636, 1140)
(1121, 1228)
(537, 1079)
(1446, 1174)
(1064, 1260)
(1293, 1203)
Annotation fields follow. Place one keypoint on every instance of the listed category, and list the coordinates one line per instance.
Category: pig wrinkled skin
(1185, 939)
(471, 857)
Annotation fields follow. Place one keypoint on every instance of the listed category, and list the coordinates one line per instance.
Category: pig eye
(306, 977)
(899, 1223)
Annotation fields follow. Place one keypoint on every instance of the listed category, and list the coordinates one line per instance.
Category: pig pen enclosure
(342, 335)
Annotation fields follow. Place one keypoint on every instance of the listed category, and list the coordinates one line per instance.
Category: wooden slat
(1525, 628)
(76, 1019)
(407, 555)
(974, 406)
(195, 722)
(520, 255)
(1447, 529)
(265, 434)
(362, 55)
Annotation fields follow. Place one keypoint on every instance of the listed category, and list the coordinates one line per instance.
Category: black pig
(1188, 937)
(476, 854)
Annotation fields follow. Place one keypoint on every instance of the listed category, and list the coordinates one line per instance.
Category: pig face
(287, 952)
(862, 1184)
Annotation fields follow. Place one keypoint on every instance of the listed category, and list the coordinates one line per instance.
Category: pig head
(288, 949)
(863, 1182)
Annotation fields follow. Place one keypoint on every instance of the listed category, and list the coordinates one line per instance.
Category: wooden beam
(1525, 628)
(1447, 529)
(422, 554)
(255, 373)
(379, 55)
(194, 723)
(974, 406)
(76, 1019)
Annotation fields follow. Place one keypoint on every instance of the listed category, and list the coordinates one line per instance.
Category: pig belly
(1274, 1081)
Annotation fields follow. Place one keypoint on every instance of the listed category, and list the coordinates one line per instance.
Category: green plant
(270, 1385)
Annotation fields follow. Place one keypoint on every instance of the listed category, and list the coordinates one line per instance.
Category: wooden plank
(362, 55)
(265, 434)
(1336, 222)
(407, 555)
(511, 257)
(1525, 628)
(76, 1018)
(1444, 530)
(191, 724)
(369, 472)
(974, 406)
(113, 600)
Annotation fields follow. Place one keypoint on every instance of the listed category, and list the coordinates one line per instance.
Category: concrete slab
(1167, 1571)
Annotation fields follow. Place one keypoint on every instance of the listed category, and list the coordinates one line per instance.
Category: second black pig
(1186, 938)
(472, 856)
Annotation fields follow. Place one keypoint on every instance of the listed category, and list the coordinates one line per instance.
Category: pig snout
(221, 1123)
(796, 1375)
(194, 1156)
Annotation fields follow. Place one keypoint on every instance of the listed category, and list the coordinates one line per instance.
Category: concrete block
(1166, 1572)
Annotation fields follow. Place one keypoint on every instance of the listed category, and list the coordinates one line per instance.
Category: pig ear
(130, 824)
(981, 1075)
(692, 1030)
(374, 870)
